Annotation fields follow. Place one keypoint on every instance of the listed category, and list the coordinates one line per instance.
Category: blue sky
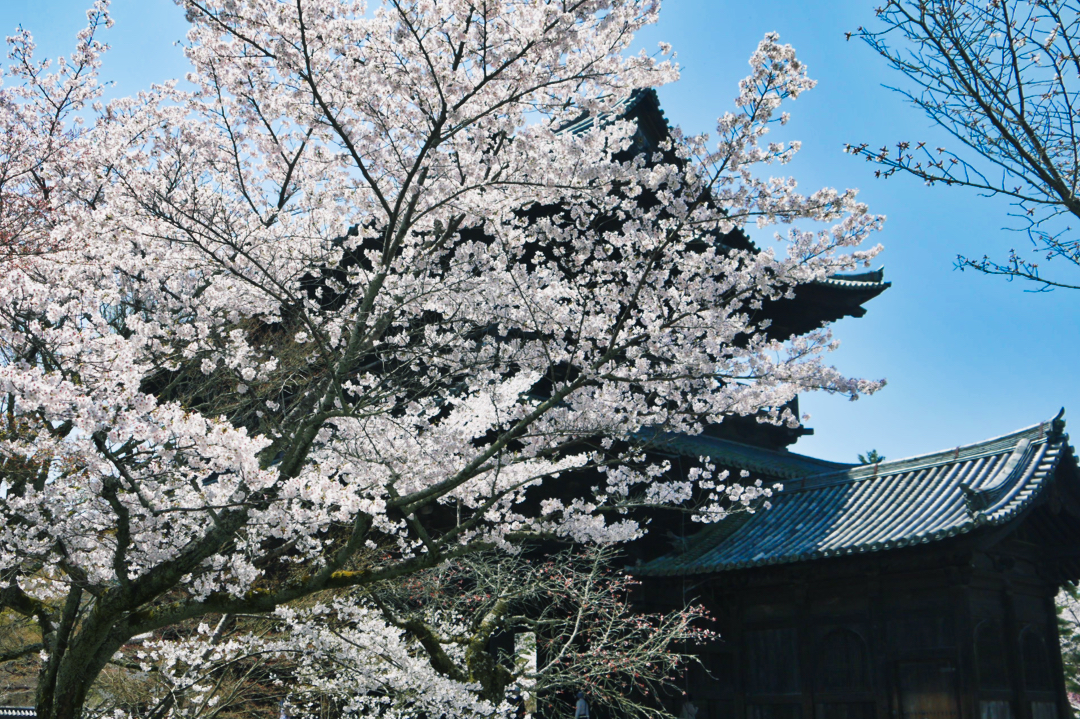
(967, 356)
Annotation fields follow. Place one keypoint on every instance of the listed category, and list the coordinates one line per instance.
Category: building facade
(914, 589)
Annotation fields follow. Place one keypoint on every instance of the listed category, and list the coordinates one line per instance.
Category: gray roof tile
(775, 464)
(827, 509)
(873, 280)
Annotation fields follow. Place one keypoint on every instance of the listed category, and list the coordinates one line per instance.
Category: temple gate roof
(827, 509)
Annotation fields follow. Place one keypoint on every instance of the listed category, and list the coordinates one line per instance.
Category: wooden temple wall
(928, 642)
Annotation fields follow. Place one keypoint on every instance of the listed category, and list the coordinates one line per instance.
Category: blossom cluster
(358, 305)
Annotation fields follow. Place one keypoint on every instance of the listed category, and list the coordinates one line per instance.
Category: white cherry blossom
(357, 306)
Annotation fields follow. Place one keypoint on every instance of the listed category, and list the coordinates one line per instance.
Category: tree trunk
(76, 656)
(65, 702)
(65, 685)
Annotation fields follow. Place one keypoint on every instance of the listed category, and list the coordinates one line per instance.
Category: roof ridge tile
(886, 506)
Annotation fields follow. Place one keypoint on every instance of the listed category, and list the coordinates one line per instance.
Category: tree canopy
(359, 308)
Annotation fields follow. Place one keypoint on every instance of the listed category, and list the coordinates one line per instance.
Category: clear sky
(967, 357)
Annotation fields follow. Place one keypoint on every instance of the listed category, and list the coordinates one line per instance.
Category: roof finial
(1057, 425)
(974, 501)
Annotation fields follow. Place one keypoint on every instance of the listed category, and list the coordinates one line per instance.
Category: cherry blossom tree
(361, 306)
(43, 139)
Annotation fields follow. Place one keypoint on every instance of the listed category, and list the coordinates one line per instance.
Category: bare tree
(533, 628)
(1002, 77)
(575, 613)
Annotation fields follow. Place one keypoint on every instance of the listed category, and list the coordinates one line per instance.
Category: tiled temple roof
(17, 712)
(874, 280)
(584, 123)
(850, 510)
(644, 105)
(774, 464)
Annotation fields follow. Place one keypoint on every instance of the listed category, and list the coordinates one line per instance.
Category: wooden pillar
(739, 680)
(804, 637)
(877, 646)
(1012, 642)
(965, 645)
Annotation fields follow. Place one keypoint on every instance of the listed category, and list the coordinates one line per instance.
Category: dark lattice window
(995, 709)
(990, 664)
(1036, 661)
(841, 662)
(773, 666)
(1044, 710)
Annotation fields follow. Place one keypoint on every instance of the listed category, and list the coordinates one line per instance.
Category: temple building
(921, 588)
(914, 589)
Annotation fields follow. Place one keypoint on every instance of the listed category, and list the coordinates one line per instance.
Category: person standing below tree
(581, 711)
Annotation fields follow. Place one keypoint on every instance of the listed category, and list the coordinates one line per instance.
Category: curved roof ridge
(891, 505)
(619, 109)
(776, 464)
(867, 279)
(867, 276)
(1002, 444)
